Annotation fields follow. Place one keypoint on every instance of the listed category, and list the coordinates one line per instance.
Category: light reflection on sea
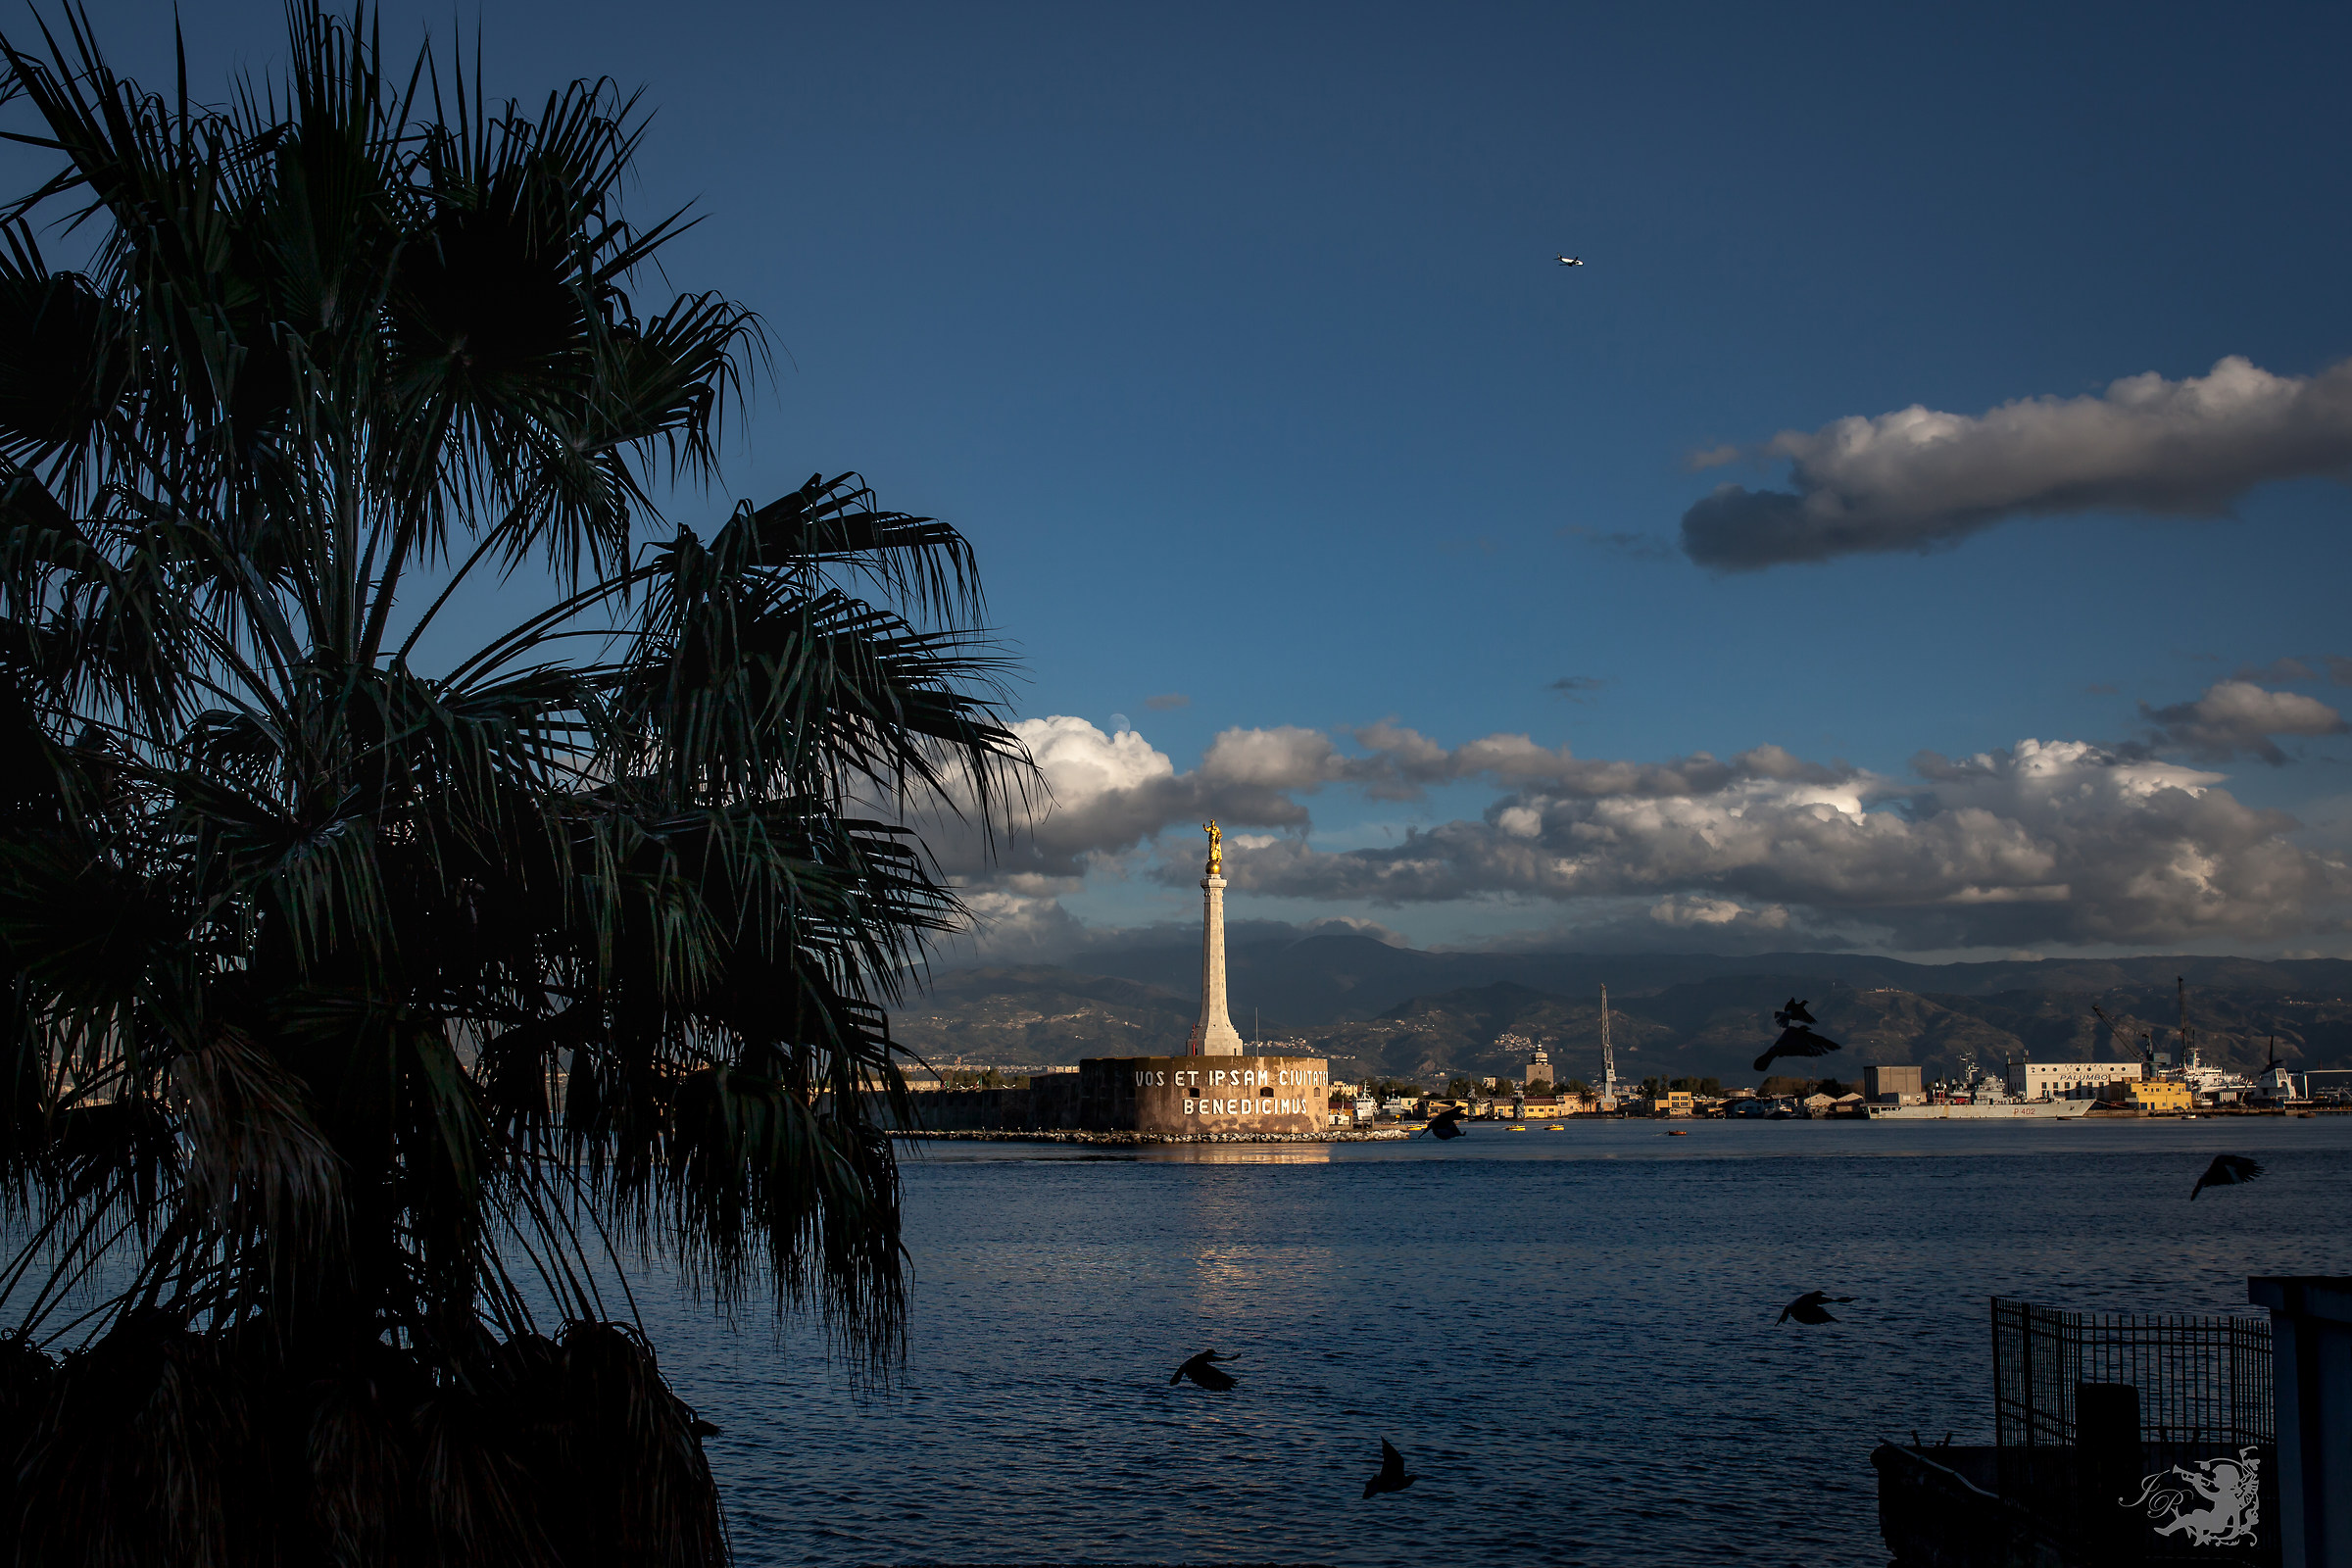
(1570, 1335)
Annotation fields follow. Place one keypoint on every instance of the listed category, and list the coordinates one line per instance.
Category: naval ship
(1978, 1098)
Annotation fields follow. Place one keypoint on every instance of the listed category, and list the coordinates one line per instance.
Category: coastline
(1130, 1140)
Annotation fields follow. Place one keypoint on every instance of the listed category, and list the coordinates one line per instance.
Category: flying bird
(1200, 1372)
(1796, 1040)
(1572, 260)
(2227, 1170)
(1391, 1476)
(1448, 1124)
(1794, 1012)
(1808, 1309)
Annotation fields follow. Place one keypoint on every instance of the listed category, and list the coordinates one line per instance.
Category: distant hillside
(1036, 1015)
(1326, 978)
(1393, 1011)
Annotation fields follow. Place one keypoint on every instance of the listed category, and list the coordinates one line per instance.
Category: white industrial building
(2067, 1079)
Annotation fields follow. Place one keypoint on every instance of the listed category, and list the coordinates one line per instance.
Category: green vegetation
(349, 996)
(1710, 1087)
(1778, 1085)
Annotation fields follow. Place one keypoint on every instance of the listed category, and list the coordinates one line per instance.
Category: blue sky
(1233, 337)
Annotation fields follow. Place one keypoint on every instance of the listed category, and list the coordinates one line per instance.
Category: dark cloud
(2237, 716)
(1575, 688)
(1634, 546)
(2102, 688)
(1166, 701)
(2278, 671)
(1919, 480)
(1016, 928)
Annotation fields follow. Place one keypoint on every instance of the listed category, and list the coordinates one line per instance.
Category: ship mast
(1609, 1056)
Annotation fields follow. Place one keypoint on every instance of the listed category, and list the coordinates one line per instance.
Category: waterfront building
(2057, 1079)
(2152, 1095)
(1538, 1068)
(1669, 1103)
(1900, 1085)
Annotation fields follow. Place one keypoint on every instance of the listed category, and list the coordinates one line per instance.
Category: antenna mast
(2188, 1048)
(1609, 1056)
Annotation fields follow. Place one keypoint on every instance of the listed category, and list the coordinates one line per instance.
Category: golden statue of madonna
(1216, 848)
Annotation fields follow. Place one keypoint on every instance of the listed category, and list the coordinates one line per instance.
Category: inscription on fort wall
(1289, 1095)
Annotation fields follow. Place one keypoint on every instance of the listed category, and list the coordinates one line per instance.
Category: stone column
(1213, 1035)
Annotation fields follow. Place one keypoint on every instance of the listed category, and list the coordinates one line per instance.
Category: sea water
(1570, 1335)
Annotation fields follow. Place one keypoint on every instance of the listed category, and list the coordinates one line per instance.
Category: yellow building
(1672, 1103)
(2150, 1095)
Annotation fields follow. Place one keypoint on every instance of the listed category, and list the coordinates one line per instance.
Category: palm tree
(359, 1007)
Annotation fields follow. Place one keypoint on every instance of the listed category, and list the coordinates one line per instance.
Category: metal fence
(2089, 1407)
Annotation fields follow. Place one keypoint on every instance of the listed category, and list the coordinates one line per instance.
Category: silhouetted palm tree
(356, 1007)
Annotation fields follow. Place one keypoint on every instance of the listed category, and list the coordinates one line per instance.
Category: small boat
(1556, 1127)
(1518, 1129)
(1678, 1132)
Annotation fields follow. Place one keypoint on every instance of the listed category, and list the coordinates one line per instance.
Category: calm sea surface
(1570, 1335)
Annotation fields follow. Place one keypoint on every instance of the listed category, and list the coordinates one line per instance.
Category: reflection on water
(1236, 1153)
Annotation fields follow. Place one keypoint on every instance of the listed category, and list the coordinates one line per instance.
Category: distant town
(973, 1096)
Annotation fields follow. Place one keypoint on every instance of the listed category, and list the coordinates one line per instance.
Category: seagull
(1572, 260)
(1392, 1477)
(1808, 1309)
(1794, 1012)
(2227, 1170)
(1200, 1372)
(1796, 1040)
(1447, 1123)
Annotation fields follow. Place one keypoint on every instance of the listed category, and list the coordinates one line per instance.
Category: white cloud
(1688, 911)
(1918, 478)
(2237, 715)
(2060, 842)
(1107, 795)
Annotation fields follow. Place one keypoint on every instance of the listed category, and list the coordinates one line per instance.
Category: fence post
(2311, 1378)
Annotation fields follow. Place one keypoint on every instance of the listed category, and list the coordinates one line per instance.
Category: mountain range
(1378, 1010)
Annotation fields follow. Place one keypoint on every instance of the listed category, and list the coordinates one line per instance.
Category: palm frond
(354, 1014)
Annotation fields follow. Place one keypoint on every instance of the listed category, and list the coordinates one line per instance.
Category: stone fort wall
(1178, 1095)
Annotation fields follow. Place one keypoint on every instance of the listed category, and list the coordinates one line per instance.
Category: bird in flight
(1794, 1012)
(1796, 1040)
(1448, 1124)
(2227, 1170)
(1572, 260)
(1391, 1476)
(1200, 1372)
(1808, 1309)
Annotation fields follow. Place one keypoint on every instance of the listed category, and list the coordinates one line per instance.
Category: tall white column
(1213, 1035)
